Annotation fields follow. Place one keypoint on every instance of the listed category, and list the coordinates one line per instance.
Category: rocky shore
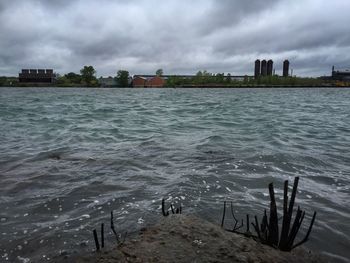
(180, 238)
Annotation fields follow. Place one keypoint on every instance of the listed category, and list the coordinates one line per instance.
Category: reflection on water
(70, 156)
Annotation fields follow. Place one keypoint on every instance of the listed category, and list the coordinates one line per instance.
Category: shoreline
(189, 87)
(181, 238)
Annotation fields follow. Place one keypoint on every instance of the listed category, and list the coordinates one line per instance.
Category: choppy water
(70, 156)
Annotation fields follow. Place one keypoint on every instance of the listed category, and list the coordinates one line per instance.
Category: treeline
(86, 78)
(8, 81)
(204, 78)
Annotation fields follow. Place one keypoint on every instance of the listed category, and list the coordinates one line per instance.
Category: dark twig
(256, 227)
(165, 213)
(306, 238)
(234, 218)
(113, 229)
(293, 231)
(285, 224)
(96, 240)
(273, 227)
(223, 215)
(248, 224)
(172, 209)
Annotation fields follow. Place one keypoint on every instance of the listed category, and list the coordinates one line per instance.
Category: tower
(286, 68)
(269, 67)
(257, 71)
(263, 68)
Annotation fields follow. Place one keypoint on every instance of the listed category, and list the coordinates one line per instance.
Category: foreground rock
(180, 238)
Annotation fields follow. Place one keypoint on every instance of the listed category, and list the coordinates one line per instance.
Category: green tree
(73, 78)
(159, 72)
(122, 78)
(88, 75)
(3, 81)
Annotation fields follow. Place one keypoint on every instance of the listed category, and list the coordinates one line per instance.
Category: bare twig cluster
(173, 210)
(268, 231)
(117, 236)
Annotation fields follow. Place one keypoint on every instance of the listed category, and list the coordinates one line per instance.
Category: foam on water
(70, 156)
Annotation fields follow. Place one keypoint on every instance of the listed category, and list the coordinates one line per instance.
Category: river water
(70, 156)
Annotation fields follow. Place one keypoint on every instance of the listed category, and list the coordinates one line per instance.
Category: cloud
(176, 35)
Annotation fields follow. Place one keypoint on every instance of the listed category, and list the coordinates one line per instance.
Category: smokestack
(286, 68)
(257, 71)
(263, 68)
(269, 67)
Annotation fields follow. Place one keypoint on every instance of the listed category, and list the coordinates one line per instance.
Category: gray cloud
(176, 35)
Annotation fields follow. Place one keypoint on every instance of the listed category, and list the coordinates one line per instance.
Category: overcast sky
(179, 36)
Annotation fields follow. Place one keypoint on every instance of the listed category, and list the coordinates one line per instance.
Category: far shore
(188, 87)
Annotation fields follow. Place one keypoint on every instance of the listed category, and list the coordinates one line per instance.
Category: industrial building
(257, 70)
(269, 67)
(263, 68)
(341, 75)
(286, 68)
(37, 76)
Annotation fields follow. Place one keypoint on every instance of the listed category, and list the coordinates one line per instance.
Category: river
(70, 156)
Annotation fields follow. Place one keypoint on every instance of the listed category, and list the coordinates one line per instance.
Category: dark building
(257, 71)
(264, 68)
(269, 67)
(36, 76)
(286, 68)
(341, 75)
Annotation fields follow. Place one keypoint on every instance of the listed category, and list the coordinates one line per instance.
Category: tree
(73, 78)
(122, 78)
(88, 75)
(159, 72)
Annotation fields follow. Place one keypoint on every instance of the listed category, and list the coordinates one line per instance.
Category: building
(286, 68)
(257, 71)
(341, 75)
(148, 81)
(264, 68)
(107, 82)
(269, 67)
(139, 82)
(155, 82)
(37, 76)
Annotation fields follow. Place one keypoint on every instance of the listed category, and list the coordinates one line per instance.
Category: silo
(269, 67)
(263, 68)
(257, 71)
(286, 68)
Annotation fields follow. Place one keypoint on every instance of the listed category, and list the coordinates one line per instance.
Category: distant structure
(257, 71)
(341, 75)
(107, 82)
(264, 68)
(37, 76)
(148, 81)
(269, 67)
(286, 68)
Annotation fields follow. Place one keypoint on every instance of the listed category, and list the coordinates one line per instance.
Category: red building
(155, 82)
(148, 82)
(139, 82)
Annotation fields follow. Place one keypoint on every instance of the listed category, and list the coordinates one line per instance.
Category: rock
(179, 238)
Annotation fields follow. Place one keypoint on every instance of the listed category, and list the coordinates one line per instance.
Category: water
(70, 156)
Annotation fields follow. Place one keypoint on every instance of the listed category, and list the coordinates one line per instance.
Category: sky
(179, 36)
